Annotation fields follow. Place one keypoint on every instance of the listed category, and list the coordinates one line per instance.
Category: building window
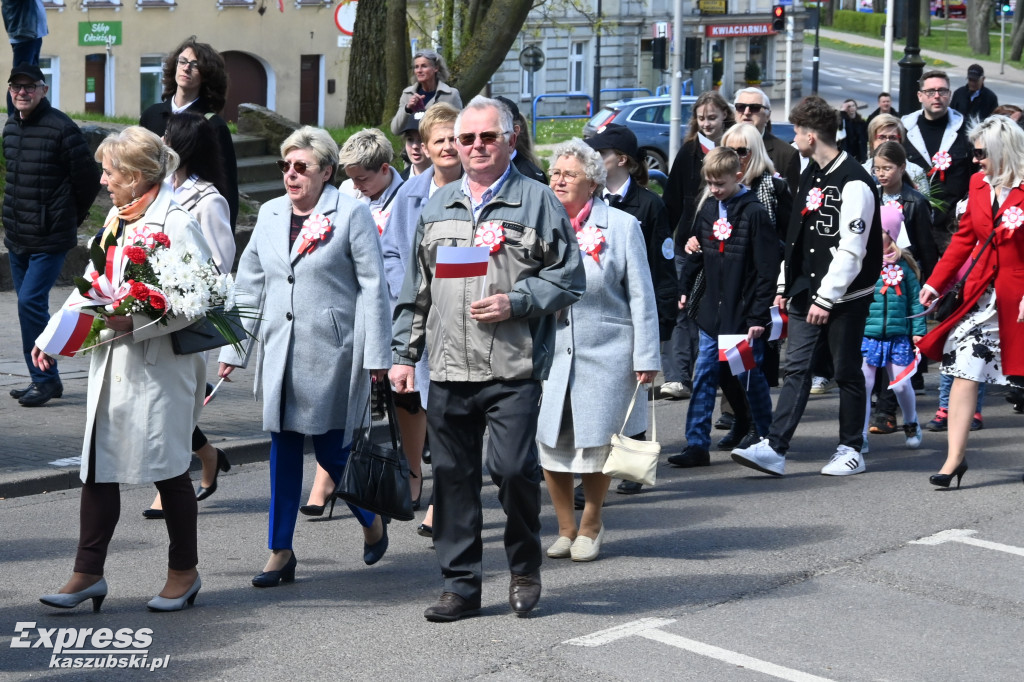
(299, 4)
(101, 4)
(248, 4)
(151, 71)
(759, 55)
(50, 66)
(155, 4)
(577, 67)
(54, 4)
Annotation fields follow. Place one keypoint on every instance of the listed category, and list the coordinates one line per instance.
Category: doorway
(309, 90)
(95, 83)
(247, 82)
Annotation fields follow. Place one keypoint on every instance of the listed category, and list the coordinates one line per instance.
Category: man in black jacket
(754, 107)
(974, 100)
(52, 181)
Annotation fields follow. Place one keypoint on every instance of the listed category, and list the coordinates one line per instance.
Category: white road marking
(648, 629)
(963, 536)
(67, 462)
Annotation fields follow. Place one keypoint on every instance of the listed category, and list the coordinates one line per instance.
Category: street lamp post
(816, 59)
(911, 66)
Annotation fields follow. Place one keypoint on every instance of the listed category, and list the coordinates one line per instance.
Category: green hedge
(865, 23)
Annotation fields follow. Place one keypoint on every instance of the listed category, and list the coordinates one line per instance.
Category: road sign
(531, 58)
(345, 17)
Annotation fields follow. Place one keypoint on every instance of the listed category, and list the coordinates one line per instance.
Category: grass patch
(559, 130)
(869, 51)
(946, 36)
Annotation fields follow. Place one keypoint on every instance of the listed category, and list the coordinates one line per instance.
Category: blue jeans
(946, 382)
(286, 479)
(706, 378)
(34, 274)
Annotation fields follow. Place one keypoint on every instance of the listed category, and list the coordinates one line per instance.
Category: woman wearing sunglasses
(313, 269)
(981, 342)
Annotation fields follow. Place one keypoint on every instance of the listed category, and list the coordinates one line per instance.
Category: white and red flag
(65, 333)
(739, 356)
(780, 324)
(907, 372)
(706, 143)
(462, 261)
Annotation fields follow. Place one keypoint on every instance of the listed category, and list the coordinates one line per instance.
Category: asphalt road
(714, 574)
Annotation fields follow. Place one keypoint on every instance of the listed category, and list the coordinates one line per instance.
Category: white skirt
(566, 458)
(972, 348)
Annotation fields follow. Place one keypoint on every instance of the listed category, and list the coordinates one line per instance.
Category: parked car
(957, 9)
(649, 118)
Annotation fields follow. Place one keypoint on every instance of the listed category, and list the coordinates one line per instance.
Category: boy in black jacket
(833, 255)
(739, 252)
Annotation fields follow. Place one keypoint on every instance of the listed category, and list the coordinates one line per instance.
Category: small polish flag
(727, 341)
(740, 358)
(65, 333)
(461, 261)
(706, 143)
(907, 372)
(780, 324)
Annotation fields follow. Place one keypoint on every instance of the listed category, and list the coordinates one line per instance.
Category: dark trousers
(34, 274)
(457, 414)
(101, 508)
(843, 334)
(682, 350)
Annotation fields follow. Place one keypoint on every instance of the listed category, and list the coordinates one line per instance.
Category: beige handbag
(631, 459)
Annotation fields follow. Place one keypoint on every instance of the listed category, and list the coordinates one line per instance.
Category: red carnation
(140, 291)
(157, 300)
(161, 238)
(136, 254)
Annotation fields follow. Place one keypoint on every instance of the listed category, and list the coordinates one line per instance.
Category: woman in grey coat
(313, 269)
(611, 342)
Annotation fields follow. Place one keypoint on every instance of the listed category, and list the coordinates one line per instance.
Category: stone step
(263, 191)
(258, 169)
(249, 145)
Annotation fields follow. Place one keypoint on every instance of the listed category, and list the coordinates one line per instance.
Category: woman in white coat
(611, 341)
(143, 399)
(313, 269)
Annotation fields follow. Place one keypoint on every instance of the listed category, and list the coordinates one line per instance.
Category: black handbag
(376, 477)
(950, 302)
(203, 335)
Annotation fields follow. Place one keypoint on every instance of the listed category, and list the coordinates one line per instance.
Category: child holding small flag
(890, 334)
(740, 257)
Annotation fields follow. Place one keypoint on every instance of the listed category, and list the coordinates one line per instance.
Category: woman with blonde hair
(887, 128)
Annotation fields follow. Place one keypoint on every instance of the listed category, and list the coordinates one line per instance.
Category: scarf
(129, 213)
(581, 218)
(766, 194)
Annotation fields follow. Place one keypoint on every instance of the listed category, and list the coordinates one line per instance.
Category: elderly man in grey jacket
(488, 351)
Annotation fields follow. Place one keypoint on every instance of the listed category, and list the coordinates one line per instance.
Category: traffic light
(779, 18)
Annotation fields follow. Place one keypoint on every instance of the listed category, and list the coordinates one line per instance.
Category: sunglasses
(299, 166)
(753, 108)
(979, 154)
(486, 137)
(740, 151)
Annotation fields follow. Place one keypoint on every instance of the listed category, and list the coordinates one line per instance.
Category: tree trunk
(1017, 36)
(367, 73)
(829, 15)
(397, 68)
(486, 42)
(979, 19)
(926, 17)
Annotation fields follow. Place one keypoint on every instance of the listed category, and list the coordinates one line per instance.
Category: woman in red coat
(981, 341)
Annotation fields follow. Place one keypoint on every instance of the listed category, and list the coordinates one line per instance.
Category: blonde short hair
(721, 162)
(441, 113)
(136, 150)
(368, 148)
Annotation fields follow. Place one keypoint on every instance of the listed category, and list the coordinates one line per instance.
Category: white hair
(754, 91)
(481, 103)
(589, 158)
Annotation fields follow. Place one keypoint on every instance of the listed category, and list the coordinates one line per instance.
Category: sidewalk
(40, 447)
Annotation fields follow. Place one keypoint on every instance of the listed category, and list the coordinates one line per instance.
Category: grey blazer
(604, 339)
(325, 319)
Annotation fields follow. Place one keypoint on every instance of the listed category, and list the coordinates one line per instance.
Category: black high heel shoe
(943, 480)
(318, 509)
(222, 465)
(286, 574)
(416, 500)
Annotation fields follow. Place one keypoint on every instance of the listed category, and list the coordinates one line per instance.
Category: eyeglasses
(931, 92)
(15, 88)
(299, 166)
(186, 64)
(979, 154)
(752, 108)
(740, 151)
(486, 137)
(888, 137)
(568, 176)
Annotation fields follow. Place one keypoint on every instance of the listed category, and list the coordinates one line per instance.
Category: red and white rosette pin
(892, 203)
(815, 197)
(315, 229)
(490, 234)
(892, 275)
(940, 164)
(591, 239)
(1012, 218)
(143, 236)
(721, 230)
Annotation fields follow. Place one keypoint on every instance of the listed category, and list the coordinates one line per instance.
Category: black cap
(26, 69)
(974, 72)
(412, 123)
(617, 137)
(511, 106)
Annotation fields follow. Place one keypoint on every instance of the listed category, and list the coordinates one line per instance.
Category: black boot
(735, 436)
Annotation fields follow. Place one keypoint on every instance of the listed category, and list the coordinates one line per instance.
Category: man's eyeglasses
(299, 166)
(568, 176)
(742, 107)
(931, 92)
(186, 64)
(979, 154)
(486, 137)
(30, 88)
(740, 151)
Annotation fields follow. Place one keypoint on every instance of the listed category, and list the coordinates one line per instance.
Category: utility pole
(887, 56)
(597, 61)
(911, 66)
(789, 62)
(675, 91)
(816, 59)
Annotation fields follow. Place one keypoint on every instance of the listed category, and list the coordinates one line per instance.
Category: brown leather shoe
(451, 607)
(524, 592)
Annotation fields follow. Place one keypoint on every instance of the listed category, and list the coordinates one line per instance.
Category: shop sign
(713, 6)
(738, 30)
(91, 33)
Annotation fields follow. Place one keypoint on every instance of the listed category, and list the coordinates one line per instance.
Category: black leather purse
(203, 335)
(376, 477)
(950, 302)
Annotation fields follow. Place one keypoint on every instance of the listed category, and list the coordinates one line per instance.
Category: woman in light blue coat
(604, 344)
(313, 269)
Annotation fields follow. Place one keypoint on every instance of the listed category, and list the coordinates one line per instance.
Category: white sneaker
(914, 435)
(821, 385)
(845, 462)
(761, 456)
(675, 389)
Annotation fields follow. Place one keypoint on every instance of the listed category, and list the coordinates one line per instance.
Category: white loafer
(560, 548)
(585, 549)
